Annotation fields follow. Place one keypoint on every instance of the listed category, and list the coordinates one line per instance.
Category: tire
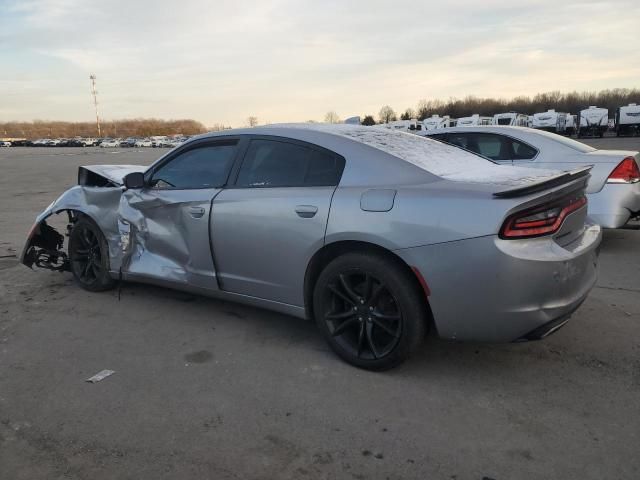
(89, 256)
(370, 310)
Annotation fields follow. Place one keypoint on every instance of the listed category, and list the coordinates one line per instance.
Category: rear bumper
(615, 204)
(493, 290)
(547, 329)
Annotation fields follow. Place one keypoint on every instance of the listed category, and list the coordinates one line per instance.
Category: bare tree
(387, 114)
(331, 117)
(252, 121)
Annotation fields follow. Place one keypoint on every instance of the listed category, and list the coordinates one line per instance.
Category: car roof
(381, 156)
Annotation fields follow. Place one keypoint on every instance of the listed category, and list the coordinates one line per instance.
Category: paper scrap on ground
(100, 376)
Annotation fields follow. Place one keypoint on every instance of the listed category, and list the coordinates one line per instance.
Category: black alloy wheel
(88, 256)
(362, 315)
(370, 310)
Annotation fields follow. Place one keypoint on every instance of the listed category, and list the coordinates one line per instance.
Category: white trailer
(435, 122)
(474, 120)
(511, 119)
(628, 120)
(571, 124)
(402, 125)
(593, 121)
(551, 121)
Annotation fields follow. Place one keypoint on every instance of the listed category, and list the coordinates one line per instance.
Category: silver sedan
(614, 187)
(376, 235)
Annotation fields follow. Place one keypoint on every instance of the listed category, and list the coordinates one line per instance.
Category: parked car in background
(593, 121)
(5, 143)
(75, 142)
(372, 233)
(143, 142)
(627, 121)
(109, 143)
(512, 119)
(614, 186)
(128, 143)
(157, 140)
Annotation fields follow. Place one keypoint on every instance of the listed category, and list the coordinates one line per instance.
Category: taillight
(538, 221)
(627, 171)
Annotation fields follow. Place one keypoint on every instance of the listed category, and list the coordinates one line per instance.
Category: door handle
(196, 212)
(306, 211)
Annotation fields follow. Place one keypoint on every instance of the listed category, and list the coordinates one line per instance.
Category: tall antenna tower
(94, 93)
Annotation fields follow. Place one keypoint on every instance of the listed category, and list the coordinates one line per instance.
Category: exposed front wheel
(370, 310)
(89, 256)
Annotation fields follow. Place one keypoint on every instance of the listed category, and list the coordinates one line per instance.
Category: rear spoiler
(560, 179)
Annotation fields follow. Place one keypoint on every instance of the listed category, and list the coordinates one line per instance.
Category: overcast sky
(294, 60)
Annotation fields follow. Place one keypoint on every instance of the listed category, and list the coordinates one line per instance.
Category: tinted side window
(491, 146)
(522, 151)
(495, 147)
(203, 167)
(270, 163)
(459, 140)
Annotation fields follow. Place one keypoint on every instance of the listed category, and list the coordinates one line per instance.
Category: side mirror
(134, 180)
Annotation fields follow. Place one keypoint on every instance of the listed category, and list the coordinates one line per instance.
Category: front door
(169, 218)
(267, 226)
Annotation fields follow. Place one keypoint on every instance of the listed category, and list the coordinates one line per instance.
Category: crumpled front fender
(98, 203)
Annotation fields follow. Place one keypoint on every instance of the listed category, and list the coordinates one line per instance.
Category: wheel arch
(333, 250)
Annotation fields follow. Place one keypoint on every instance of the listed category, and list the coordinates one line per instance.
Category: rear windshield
(430, 155)
(567, 142)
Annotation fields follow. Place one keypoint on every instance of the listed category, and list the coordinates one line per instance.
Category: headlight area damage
(45, 247)
(97, 196)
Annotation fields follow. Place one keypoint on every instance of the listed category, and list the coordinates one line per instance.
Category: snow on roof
(446, 161)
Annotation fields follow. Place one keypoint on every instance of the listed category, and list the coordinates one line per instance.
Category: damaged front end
(44, 248)
(97, 196)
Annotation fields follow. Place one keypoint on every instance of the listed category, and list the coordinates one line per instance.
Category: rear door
(267, 226)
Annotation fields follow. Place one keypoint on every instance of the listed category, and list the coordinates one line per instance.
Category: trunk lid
(557, 192)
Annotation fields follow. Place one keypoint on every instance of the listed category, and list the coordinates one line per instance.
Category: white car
(614, 186)
(5, 144)
(109, 143)
(143, 142)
